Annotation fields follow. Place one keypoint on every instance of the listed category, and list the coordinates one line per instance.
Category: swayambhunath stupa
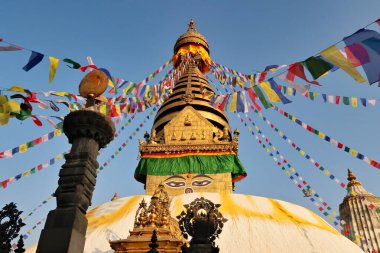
(191, 157)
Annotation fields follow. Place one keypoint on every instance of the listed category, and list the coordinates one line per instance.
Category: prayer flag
(276, 89)
(75, 65)
(53, 67)
(233, 102)
(357, 54)
(346, 100)
(271, 94)
(34, 59)
(333, 55)
(373, 43)
(317, 66)
(10, 48)
(253, 97)
(364, 102)
(372, 102)
(296, 69)
(369, 39)
(261, 96)
(354, 102)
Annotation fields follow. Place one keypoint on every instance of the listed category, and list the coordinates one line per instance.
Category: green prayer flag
(346, 100)
(75, 65)
(317, 66)
(261, 96)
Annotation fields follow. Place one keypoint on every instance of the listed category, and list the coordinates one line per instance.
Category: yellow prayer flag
(111, 84)
(22, 148)
(280, 134)
(271, 94)
(274, 148)
(333, 55)
(287, 173)
(354, 102)
(103, 109)
(354, 152)
(257, 128)
(233, 102)
(302, 152)
(327, 172)
(293, 169)
(240, 82)
(26, 173)
(321, 135)
(53, 67)
(60, 93)
(150, 76)
(290, 91)
(16, 89)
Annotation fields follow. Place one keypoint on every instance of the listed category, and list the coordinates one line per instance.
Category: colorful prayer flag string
(324, 208)
(27, 173)
(327, 138)
(134, 133)
(37, 207)
(300, 151)
(333, 99)
(29, 232)
(22, 148)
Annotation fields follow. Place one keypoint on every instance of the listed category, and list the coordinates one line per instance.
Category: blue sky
(133, 38)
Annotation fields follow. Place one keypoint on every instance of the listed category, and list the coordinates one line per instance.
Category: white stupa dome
(255, 224)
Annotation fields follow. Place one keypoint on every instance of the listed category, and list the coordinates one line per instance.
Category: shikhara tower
(361, 220)
(191, 147)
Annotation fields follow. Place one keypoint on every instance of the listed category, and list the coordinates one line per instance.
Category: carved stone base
(65, 231)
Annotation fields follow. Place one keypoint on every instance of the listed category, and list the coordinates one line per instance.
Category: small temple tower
(191, 147)
(360, 216)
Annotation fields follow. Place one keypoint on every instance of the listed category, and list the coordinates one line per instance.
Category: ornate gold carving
(155, 216)
(187, 98)
(177, 147)
(188, 124)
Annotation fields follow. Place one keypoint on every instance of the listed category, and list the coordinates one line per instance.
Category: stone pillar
(65, 228)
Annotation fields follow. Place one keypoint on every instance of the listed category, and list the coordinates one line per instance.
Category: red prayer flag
(36, 120)
(84, 68)
(297, 69)
(378, 21)
(5, 183)
(337, 99)
(253, 97)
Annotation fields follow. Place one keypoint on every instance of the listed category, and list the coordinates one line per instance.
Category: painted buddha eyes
(201, 183)
(175, 184)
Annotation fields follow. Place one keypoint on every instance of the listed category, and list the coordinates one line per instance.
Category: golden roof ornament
(191, 36)
(352, 179)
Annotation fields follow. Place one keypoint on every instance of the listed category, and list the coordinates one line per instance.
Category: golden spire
(191, 36)
(352, 179)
